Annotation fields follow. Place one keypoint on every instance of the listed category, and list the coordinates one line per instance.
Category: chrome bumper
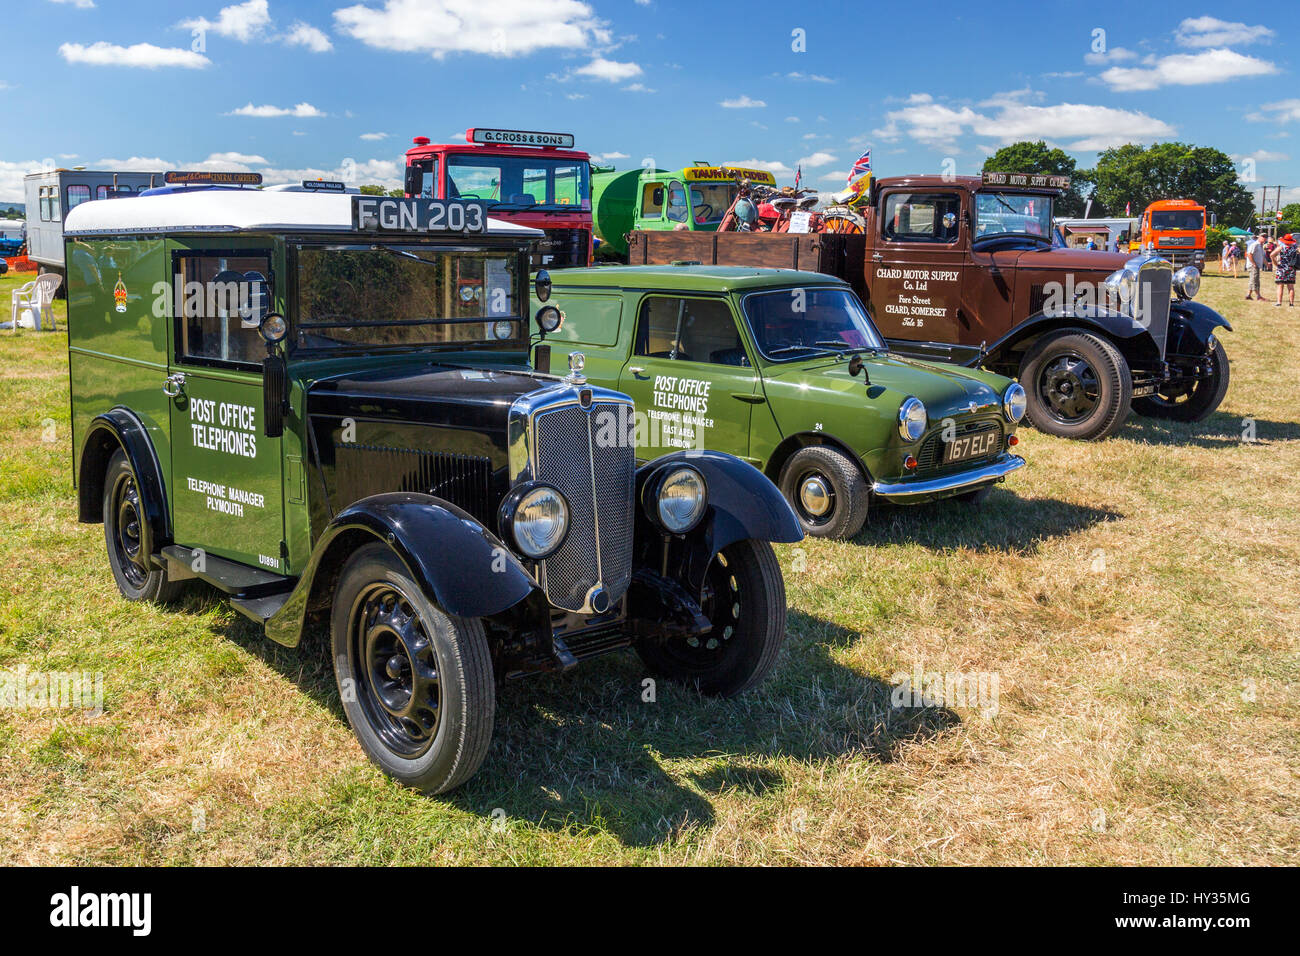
(909, 490)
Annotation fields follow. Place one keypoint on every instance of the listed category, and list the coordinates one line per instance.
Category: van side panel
(117, 346)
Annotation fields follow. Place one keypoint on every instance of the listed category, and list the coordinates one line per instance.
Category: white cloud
(639, 88)
(136, 164)
(742, 103)
(1079, 126)
(1283, 111)
(237, 159)
(304, 34)
(381, 172)
(609, 157)
(374, 136)
(575, 96)
(841, 175)
(79, 4)
(792, 119)
(609, 70)
(1209, 31)
(809, 77)
(241, 21)
(498, 28)
(301, 110)
(772, 166)
(819, 158)
(143, 55)
(1114, 55)
(11, 179)
(1261, 156)
(1186, 69)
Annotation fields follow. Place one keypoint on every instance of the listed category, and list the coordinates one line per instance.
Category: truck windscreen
(1178, 219)
(520, 182)
(998, 213)
(395, 296)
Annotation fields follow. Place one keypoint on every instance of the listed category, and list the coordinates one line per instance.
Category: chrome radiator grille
(1157, 281)
(598, 483)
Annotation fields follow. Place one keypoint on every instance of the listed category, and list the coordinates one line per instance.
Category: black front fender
(743, 503)
(1190, 326)
(1134, 339)
(464, 568)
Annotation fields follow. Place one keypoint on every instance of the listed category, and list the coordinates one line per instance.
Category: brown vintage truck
(969, 270)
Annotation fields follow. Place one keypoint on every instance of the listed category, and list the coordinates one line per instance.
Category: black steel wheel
(827, 490)
(1195, 400)
(416, 683)
(1077, 385)
(744, 599)
(126, 537)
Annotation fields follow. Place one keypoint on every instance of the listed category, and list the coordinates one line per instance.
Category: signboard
(203, 177)
(323, 185)
(520, 137)
(800, 221)
(697, 174)
(1026, 180)
(382, 214)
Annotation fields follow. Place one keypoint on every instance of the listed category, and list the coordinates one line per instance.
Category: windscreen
(800, 323)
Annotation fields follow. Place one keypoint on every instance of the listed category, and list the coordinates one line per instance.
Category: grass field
(1136, 601)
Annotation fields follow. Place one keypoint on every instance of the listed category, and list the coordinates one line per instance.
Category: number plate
(380, 214)
(977, 445)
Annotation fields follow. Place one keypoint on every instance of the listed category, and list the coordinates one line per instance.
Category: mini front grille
(598, 483)
(930, 459)
(464, 480)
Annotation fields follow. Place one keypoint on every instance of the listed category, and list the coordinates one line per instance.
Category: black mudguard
(1132, 338)
(1190, 326)
(120, 426)
(743, 503)
(464, 568)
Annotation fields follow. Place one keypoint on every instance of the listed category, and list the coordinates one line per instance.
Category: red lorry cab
(531, 178)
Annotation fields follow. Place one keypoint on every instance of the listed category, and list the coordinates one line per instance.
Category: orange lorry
(1175, 230)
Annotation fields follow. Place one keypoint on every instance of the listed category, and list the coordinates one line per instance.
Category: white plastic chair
(38, 297)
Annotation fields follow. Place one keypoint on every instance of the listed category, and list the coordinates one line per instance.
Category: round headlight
(538, 521)
(1122, 286)
(911, 419)
(503, 328)
(273, 328)
(549, 318)
(681, 500)
(1187, 282)
(1014, 402)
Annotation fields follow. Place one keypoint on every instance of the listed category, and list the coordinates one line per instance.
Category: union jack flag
(861, 167)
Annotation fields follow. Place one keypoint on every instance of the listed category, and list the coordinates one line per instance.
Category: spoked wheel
(827, 490)
(1195, 400)
(843, 220)
(416, 683)
(1077, 385)
(744, 599)
(126, 536)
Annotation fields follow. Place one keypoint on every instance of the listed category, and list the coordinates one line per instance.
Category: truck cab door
(918, 265)
(226, 474)
(691, 376)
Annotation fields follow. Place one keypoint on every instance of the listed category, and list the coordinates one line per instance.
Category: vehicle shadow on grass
(1005, 522)
(1219, 430)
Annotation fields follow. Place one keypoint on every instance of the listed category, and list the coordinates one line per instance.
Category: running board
(259, 610)
(233, 578)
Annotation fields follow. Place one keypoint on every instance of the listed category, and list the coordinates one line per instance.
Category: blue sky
(337, 89)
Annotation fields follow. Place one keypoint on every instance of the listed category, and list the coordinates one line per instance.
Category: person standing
(1254, 265)
(1284, 263)
(1236, 259)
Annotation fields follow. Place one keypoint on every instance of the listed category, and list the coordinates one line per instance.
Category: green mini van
(786, 370)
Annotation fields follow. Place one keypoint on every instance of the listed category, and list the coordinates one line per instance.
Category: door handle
(877, 257)
(636, 369)
(751, 397)
(174, 384)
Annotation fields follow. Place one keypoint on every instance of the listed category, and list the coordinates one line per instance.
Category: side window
(429, 179)
(44, 193)
(77, 194)
(101, 192)
(689, 330)
(676, 202)
(922, 217)
(56, 212)
(219, 302)
(652, 201)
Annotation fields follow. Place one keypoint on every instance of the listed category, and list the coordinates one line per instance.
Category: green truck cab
(786, 370)
(694, 198)
(323, 406)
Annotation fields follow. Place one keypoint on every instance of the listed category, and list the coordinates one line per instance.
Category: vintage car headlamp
(1187, 282)
(273, 328)
(911, 419)
(536, 518)
(549, 318)
(676, 498)
(1014, 402)
(1122, 287)
(503, 329)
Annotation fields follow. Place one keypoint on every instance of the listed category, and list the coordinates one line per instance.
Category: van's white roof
(230, 210)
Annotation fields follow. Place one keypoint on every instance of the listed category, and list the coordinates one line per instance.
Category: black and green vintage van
(323, 405)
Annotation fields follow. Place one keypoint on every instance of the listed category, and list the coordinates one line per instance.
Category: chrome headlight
(1187, 282)
(1122, 286)
(1014, 402)
(911, 419)
(676, 499)
(536, 517)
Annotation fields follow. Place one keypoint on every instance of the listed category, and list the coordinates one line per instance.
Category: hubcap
(399, 686)
(815, 495)
(1069, 387)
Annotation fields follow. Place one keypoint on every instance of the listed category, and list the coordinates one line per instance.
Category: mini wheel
(1194, 402)
(1077, 385)
(126, 536)
(744, 599)
(416, 683)
(827, 490)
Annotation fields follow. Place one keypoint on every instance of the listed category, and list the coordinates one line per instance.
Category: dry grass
(1136, 600)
